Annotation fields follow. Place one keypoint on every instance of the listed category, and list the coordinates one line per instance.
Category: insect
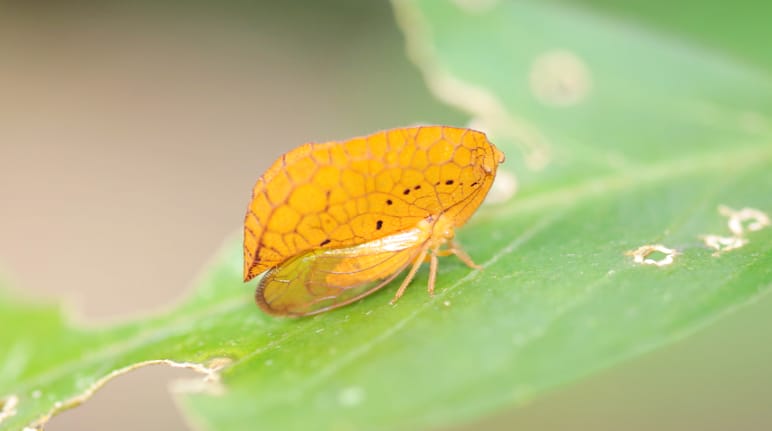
(333, 222)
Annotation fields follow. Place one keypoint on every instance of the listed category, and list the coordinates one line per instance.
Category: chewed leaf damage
(209, 384)
(642, 254)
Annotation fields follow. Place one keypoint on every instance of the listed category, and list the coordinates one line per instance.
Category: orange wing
(323, 279)
(339, 194)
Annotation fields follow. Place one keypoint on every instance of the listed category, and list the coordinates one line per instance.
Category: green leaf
(619, 137)
(736, 31)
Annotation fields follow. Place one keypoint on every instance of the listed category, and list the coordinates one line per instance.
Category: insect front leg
(461, 254)
(456, 249)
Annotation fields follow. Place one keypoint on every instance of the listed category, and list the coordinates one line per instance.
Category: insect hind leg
(416, 264)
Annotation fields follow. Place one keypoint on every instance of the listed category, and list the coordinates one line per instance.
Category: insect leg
(432, 273)
(461, 254)
(416, 264)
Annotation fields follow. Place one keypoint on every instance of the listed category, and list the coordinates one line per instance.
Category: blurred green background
(132, 133)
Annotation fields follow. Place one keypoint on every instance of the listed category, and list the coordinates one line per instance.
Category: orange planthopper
(333, 222)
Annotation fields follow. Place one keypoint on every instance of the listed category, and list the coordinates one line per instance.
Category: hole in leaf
(656, 254)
